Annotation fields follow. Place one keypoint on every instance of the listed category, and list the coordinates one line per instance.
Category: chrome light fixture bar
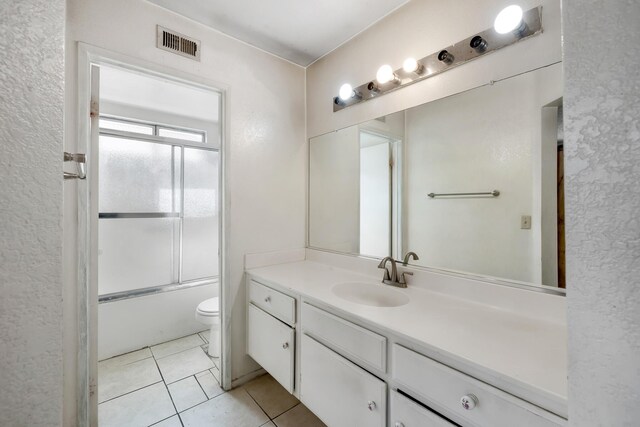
(466, 50)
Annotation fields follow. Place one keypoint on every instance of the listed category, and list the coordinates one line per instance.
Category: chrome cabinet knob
(285, 345)
(468, 401)
(398, 424)
(267, 299)
(371, 405)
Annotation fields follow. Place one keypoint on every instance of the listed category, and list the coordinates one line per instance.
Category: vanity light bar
(464, 51)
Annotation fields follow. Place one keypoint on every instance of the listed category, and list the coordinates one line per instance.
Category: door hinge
(80, 161)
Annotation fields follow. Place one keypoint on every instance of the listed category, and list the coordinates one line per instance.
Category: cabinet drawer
(443, 387)
(407, 413)
(271, 343)
(359, 344)
(273, 302)
(339, 392)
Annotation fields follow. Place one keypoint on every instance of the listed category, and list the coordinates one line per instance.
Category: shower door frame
(179, 281)
(87, 284)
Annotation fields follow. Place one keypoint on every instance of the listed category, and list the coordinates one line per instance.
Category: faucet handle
(403, 280)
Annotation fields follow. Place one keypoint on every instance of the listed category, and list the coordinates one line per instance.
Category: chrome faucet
(393, 279)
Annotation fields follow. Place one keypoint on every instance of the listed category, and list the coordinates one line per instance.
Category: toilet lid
(209, 306)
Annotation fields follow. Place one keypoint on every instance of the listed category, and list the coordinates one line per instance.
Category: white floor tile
(115, 380)
(186, 393)
(169, 422)
(140, 408)
(184, 364)
(204, 335)
(176, 346)
(209, 384)
(127, 358)
(232, 409)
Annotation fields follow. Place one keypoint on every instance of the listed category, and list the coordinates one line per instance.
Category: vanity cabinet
(360, 345)
(350, 373)
(276, 303)
(338, 391)
(461, 397)
(407, 413)
(270, 341)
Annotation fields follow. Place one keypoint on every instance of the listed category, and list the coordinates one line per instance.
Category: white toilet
(208, 312)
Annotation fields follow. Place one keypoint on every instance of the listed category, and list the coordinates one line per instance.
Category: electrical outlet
(525, 222)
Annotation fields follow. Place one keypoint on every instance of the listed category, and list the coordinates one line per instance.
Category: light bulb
(410, 65)
(508, 20)
(346, 92)
(385, 74)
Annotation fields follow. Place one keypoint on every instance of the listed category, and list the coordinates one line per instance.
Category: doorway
(150, 240)
(375, 194)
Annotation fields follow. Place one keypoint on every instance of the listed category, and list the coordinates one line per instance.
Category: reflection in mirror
(370, 183)
(375, 193)
(351, 202)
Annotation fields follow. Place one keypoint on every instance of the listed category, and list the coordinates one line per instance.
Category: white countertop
(524, 356)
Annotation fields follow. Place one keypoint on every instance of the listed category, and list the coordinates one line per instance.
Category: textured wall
(31, 129)
(602, 149)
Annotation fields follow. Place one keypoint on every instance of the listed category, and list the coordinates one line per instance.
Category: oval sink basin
(369, 294)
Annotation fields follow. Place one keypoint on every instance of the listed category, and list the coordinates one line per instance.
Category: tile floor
(176, 384)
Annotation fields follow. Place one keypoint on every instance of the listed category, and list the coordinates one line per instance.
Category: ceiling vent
(175, 42)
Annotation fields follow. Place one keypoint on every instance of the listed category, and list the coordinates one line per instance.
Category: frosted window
(199, 248)
(181, 134)
(200, 182)
(136, 253)
(200, 224)
(135, 176)
(126, 126)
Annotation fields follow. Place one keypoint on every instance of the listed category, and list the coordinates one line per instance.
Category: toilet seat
(209, 307)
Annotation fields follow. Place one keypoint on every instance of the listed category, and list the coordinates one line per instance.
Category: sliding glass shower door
(158, 220)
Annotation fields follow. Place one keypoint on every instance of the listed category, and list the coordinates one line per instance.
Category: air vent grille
(175, 42)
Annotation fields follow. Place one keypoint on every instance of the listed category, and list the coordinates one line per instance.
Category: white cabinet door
(271, 343)
(339, 392)
(407, 413)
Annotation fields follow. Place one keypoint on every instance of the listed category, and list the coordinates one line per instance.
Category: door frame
(87, 286)
(396, 180)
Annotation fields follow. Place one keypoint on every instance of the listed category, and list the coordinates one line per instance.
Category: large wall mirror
(473, 183)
